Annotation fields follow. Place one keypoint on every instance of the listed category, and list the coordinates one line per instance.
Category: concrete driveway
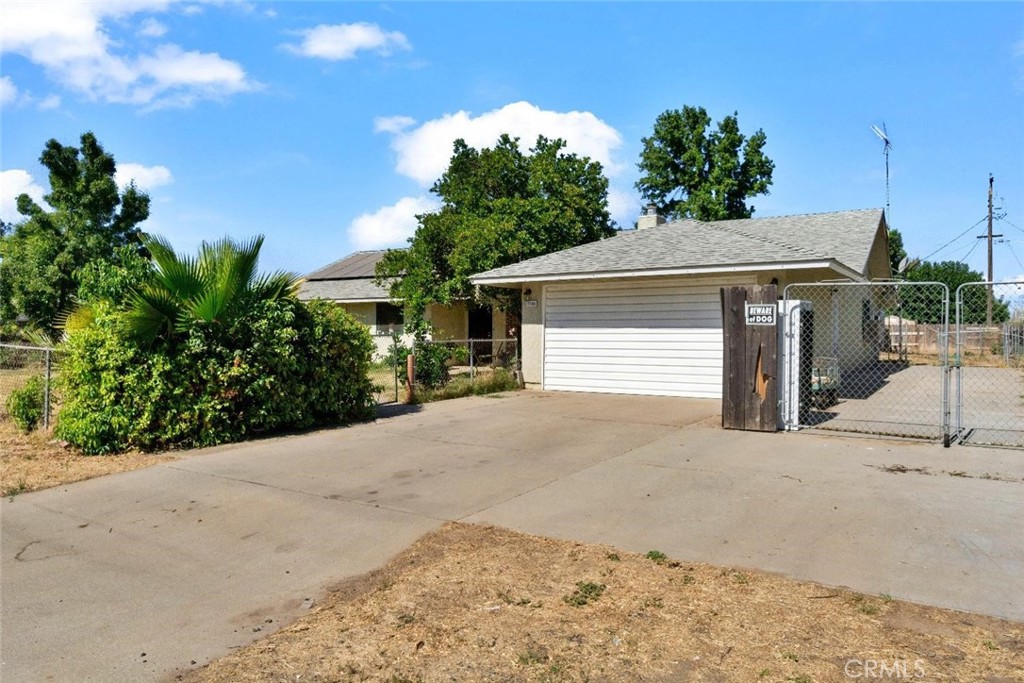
(139, 575)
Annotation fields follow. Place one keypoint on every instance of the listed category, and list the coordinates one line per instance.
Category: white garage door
(662, 339)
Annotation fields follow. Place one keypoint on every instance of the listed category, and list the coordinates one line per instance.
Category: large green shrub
(281, 365)
(25, 405)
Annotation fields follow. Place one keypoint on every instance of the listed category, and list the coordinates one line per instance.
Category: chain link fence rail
(988, 361)
(870, 372)
(18, 365)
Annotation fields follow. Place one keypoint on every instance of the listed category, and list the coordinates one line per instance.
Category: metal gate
(989, 363)
(878, 358)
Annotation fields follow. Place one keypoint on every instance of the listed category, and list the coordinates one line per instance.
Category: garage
(655, 338)
(640, 312)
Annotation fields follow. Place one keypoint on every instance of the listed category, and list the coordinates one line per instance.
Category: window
(390, 319)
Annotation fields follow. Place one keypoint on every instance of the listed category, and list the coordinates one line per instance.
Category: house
(640, 312)
(349, 282)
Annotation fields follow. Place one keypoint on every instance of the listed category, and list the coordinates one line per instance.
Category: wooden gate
(750, 358)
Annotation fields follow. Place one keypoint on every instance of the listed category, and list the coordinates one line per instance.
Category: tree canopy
(499, 206)
(690, 170)
(953, 274)
(896, 251)
(88, 219)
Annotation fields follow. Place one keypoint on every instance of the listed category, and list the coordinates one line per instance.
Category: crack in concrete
(22, 551)
(322, 496)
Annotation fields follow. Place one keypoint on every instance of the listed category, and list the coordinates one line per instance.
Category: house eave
(830, 264)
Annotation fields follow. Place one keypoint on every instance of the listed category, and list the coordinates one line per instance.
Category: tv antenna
(883, 135)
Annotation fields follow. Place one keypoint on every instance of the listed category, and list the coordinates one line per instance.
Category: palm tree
(216, 287)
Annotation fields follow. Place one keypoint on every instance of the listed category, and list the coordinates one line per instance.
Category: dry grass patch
(473, 603)
(33, 461)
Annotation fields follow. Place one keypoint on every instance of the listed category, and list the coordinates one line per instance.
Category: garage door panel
(607, 320)
(658, 300)
(689, 390)
(663, 339)
(603, 291)
(635, 336)
(627, 373)
(664, 355)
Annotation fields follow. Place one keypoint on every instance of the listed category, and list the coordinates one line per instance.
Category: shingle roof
(359, 264)
(844, 236)
(348, 279)
(356, 289)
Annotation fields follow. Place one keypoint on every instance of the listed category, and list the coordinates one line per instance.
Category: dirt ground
(475, 603)
(29, 462)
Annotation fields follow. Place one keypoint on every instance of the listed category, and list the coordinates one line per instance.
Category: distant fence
(1005, 341)
(18, 364)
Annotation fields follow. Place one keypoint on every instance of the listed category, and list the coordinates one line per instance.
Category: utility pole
(989, 236)
(988, 314)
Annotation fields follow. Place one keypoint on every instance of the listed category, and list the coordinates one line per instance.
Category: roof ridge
(813, 213)
(766, 238)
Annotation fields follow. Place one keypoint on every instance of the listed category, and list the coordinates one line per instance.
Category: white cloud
(71, 41)
(8, 92)
(624, 206)
(389, 226)
(13, 183)
(392, 124)
(49, 102)
(342, 41)
(12, 96)
(424, 151)
(145, 177)
(151, 28)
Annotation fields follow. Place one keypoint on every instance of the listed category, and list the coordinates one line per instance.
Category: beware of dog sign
(760, 314)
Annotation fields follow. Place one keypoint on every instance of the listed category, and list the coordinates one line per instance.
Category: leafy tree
(896, 251)
(953, 274)
(42, 256)
(691, 171)
(499, 206)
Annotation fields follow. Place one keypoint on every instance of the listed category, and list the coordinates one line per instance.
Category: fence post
(410, 373)
(471, 369)
(46, 393)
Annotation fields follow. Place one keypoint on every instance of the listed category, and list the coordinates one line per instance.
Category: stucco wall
(449, 322)
(499, 329)
(532, 333)
(366, 313)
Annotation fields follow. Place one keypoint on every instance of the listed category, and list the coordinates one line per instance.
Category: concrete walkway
(138, 575)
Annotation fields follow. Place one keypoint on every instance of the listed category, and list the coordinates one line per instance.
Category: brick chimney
(649, 218)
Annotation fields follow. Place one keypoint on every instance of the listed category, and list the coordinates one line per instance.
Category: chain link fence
(387, 371)
(22, 365)
(439, 362)
(989, 363)
(862, 364)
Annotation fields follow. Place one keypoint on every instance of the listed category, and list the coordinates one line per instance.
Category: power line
(969, 252)
(1015, 258)
(1010, 223)
(980, 221)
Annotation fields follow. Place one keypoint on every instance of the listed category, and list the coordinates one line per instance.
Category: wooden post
(750, 358)
(410, 374)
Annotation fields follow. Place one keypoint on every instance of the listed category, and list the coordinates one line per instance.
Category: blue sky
(322, 125)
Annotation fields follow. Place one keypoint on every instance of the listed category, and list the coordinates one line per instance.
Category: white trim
(543, 303)
(831, 264)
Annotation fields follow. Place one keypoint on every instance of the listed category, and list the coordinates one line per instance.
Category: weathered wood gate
(750, 358)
